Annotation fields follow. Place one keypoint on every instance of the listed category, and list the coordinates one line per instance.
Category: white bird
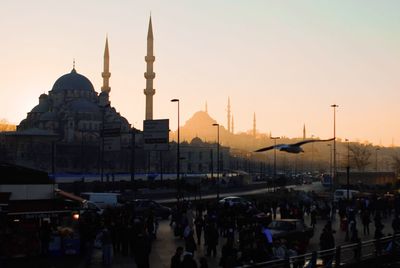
(294, 148)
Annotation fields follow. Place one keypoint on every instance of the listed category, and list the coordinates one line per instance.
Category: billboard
(156, 135)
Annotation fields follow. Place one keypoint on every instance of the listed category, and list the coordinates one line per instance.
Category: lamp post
(273, 182)
(330, 159)
(133, 144)
(312, 155)
(178, 161)
(376, 159)
(348, 169)
(334, 106)
(218, 158)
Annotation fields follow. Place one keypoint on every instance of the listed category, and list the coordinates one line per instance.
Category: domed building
(67, 123)
(62, 133)
(73, 110)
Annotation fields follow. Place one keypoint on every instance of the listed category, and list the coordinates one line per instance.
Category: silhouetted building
(201, 157)
(64, 129)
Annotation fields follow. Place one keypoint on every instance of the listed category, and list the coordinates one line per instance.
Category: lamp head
(175, 100)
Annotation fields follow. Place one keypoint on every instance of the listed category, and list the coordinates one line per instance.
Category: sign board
(156, 135)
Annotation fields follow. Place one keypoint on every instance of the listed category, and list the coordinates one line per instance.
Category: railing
(340, 256)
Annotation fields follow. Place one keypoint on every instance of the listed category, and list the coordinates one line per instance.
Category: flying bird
(294, 148)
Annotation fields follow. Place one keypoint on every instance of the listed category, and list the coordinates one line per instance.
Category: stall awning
(69, 196)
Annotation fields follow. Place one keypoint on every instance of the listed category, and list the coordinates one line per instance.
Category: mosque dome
(43, 97)
(73, 81)
(196, 141)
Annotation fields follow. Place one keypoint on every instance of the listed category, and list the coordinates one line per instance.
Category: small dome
(196, 141)
(74, 81)
(43, 97)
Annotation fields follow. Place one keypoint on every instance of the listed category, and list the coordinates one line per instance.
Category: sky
(287, 61)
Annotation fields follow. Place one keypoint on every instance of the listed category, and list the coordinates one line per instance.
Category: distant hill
(6, 126)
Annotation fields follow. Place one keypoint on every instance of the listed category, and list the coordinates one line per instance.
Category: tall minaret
(233, 126)
(229, 114)
(304, 132)
(106, 70)
(149, 91)
(206, 110)
(254, 125)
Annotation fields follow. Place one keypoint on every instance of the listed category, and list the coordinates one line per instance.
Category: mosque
(71, 118)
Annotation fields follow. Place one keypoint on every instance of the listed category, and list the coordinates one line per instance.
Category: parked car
(143, 206)
(235, 201)
(291, 230)
(88, 206)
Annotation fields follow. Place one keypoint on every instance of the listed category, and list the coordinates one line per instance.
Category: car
(89, 206)
(290, 230)
(143, 206)
(235, 201)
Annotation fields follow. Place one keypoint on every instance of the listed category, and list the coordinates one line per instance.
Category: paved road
(315, 186)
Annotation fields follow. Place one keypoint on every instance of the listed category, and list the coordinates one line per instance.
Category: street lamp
(334, 106)
(348, 169)
(312, 155)
(178, 161)
(218, 158)
(273, 182)
(133, 144)
(330, 160)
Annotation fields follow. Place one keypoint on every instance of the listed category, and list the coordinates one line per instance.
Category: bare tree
(360, 155)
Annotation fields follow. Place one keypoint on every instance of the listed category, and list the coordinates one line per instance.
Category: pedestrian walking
(366, 220)
(199, 224)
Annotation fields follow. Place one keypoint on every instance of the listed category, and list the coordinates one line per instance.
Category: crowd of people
(248, 240)
(231, 234)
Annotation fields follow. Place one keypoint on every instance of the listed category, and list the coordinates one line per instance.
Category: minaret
(254, 125)
(233, 126)
(106, 70)
(149, 91)
(304, 132)
(206, 110)
(229, 114)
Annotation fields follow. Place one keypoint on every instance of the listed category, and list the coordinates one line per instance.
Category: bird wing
(278, 146)
(308, 141)
(264, 149)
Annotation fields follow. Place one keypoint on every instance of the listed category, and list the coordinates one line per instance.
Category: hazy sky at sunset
(288, 61)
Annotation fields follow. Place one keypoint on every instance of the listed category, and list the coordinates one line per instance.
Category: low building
(366, 178)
